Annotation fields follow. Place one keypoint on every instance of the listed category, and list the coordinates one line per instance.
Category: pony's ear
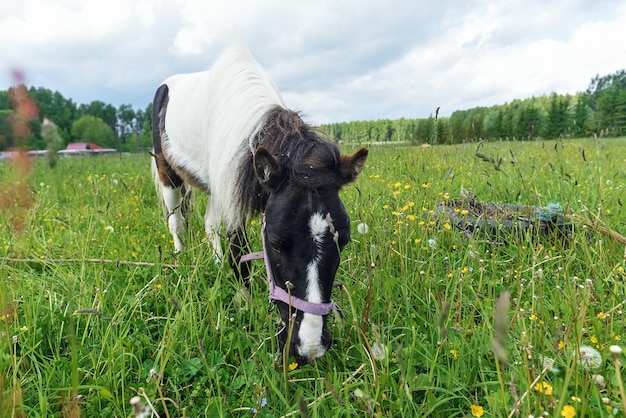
(351, 165)
(267, 168)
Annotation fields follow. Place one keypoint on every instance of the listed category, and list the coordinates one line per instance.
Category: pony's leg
(211, 227)
(238, 247)
(173, 200)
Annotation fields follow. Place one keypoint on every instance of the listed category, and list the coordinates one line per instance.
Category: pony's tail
(160, 100)
(159, 106)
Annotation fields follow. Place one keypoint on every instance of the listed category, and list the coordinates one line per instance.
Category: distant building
(85, 148)
(76, 148)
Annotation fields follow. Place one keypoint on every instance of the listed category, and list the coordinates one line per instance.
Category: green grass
(425, 333)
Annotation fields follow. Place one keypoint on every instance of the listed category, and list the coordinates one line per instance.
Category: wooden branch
(610, 232)
(86, 260)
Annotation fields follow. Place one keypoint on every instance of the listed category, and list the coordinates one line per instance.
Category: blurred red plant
(15, 192)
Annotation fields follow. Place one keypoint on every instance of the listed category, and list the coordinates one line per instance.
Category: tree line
(123, 128)
(598, 111)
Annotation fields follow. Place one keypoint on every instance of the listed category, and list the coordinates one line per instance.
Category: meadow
(95, 309)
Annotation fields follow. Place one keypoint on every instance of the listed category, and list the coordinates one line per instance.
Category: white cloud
(340, 60)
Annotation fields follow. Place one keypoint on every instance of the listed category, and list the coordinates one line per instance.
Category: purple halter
(277, 293)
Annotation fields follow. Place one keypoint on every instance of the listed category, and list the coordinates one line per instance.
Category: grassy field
(439, 323)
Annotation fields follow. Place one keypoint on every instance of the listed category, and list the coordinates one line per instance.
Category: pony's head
(306, 227)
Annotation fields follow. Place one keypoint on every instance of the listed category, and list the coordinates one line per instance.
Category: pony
(227, 132)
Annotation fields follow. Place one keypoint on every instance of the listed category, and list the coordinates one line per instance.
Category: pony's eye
(278, 243)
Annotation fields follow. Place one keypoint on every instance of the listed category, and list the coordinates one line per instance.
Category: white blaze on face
(310, 332)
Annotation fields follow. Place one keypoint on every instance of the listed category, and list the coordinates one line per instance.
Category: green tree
(558, 118)
(101, 110)
(581, 116)
(529, 122)
(6, 129)
(56, 108)
(125, 122)
(94, 130)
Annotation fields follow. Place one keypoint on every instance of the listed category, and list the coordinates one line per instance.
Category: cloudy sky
(334, 60)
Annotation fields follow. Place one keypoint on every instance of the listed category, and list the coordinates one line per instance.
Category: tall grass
(438, 322)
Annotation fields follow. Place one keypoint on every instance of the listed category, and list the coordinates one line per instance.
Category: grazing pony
(227, 132)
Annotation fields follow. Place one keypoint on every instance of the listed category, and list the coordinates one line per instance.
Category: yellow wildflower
(477, 410)
(293, 366)
(455, 354)
(568, 411)
(544, 387)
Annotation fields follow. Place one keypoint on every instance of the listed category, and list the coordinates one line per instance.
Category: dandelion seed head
(379, 351)
(548, 363)
(589, 357)
(362, 228)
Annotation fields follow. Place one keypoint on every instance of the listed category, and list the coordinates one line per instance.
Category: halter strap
(279, 294)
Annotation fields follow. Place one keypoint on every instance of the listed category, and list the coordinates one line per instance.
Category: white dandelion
(379, 351)
(362, 228)
(548, 363)
(589, 357)
(599, 381)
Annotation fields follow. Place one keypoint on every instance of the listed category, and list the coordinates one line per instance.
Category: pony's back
(211, 115)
